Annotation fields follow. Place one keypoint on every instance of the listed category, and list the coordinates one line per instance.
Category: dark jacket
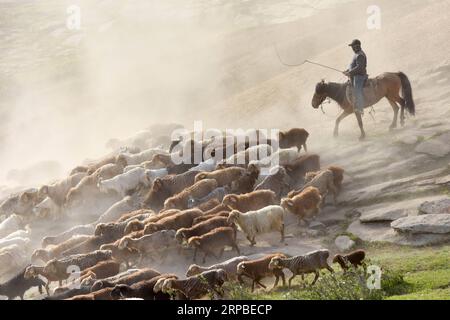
(359, 64)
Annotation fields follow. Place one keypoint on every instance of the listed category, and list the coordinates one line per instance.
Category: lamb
(57, 192)
(146, 155)
(10, 225)
(56, 251)
(142, 289)
(197, 286)
(214, 242)
(18, 285)
(59, 269)
(300, 167)
(127, 204)
(201, 228)
(355, 258)
(156, 242)
(125, 182)
(323, 181)
(277, 181)
(257, 222)
(164, 188)
(224, 177)
(304, 205)
(258, 269)
(293, 138)
(311, 262)
(250, 201)
(198, 190)
(137, 225)
(141, 275)
(87, 229)
(230, 267)
(184, 219)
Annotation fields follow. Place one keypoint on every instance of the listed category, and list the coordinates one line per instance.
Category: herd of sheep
(142, 206)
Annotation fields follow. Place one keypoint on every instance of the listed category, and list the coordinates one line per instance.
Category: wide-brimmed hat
(354, 43)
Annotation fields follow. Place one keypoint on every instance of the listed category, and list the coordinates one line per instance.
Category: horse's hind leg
(342, 116)
(395, 108)
(361, 127)
(401, 101)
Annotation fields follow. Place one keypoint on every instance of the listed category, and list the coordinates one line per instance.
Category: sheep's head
(160, 283)
(287, 204)
(30, 272)
(233, 216)
(274, 263)
(97, 285)
(150, 228)
(167, 285)
(201, 176)
(221, 276)
(179, 236)
(230, 201)
(193, 270)
(336, 258)
(241, 268)
(120, 291)
(121, 161)
(100, 229)
(194, 242)
(39, 254)
(43, 191)
(133, 225)
(123, 243)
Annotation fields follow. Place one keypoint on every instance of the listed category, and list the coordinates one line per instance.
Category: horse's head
(320, 94)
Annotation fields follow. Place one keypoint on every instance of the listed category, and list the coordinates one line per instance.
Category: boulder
(316, 225)
(428, 223)
(435, 207)
(383, 215)
(344, 243)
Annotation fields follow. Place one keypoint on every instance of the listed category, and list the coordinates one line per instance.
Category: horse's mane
(337, 91)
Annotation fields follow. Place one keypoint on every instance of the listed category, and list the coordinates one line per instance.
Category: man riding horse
(358, 75)
(354, 98)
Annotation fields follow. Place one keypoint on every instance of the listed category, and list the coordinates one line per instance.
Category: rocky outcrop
(435, 207)
(429, 223)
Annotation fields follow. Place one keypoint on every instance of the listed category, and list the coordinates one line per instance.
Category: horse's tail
(407, 93)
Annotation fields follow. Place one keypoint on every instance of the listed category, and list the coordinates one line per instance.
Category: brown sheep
(258, 269)
(164, 188)
(214, 242)
(201, 228)
(277, 181)
(198, 190)
(137, 214)
(250, 201)
(323, 181)
(224, 177)
(304, 205)
(208, 205)
(125, 255)
(56, 251)
(246, 183)
(293, 138)
(200, 219)
(136, 225)
(300, 167)
(355, 258)
(338, 176)
(183, 219)
(101, 270)
(217, 209)
(102, 294)
(129, 279)
(142, 289)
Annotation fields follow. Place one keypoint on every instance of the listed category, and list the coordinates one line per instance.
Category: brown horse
(387, 85)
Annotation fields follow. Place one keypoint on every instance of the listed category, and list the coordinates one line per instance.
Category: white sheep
(258, 222)
(253, 153)
(127, 204)
(19, 234)
(281, 157)
(48, 208)
(128, 181)
(138, 158)
(230, 267)
(10, 225)
(22, 242)
(12, 258)
(205, 166)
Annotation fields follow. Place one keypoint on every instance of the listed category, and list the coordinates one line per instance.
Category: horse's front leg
(394, 121)
(361, 127)
(341, 117)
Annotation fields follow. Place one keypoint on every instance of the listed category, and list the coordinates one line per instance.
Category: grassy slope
(408, 273)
